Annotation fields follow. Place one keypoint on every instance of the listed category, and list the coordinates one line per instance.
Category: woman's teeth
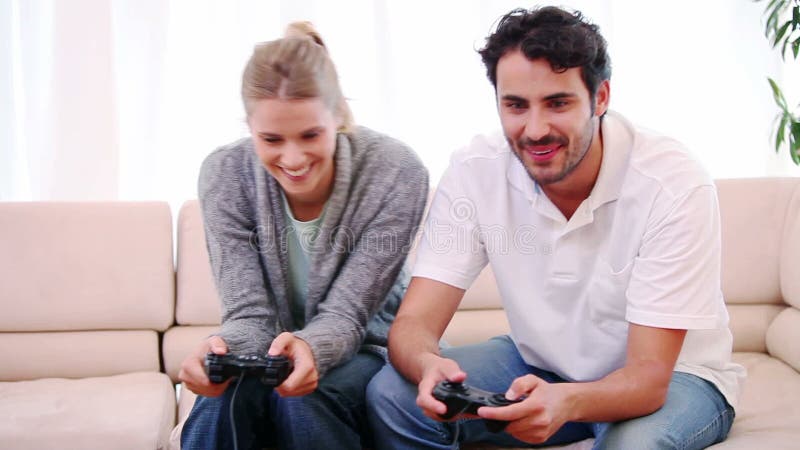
(297, 173)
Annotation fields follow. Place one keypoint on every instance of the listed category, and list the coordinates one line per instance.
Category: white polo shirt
(643, 248)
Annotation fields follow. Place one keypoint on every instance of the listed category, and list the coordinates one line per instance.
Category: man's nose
(536, 125)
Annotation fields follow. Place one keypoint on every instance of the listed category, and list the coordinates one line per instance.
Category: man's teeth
(299, 172)
(542, 152)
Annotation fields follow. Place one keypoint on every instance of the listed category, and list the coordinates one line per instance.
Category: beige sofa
(66, 281)
(85, 289)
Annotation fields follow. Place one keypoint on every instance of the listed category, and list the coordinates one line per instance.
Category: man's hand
(436, 369)
(537, 417)
(304, 377)
(193, 372)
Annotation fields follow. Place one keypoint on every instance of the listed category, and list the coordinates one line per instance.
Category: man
(612, 283)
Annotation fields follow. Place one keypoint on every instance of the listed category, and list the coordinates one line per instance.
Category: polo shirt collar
(617, 135)
(519, 178)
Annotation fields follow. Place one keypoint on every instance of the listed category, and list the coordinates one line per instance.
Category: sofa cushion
(86, 266)
(748, 324)
(783, 338)
(750, 266)
(131, 411)
(77, 354)
(769, 413)
(179, 342)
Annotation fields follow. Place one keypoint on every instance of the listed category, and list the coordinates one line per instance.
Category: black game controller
(271, 370)
(463, 399)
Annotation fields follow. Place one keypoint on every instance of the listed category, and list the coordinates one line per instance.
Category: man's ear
(602, 98)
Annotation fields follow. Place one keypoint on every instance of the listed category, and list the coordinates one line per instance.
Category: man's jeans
(694, 416)
(332, 417)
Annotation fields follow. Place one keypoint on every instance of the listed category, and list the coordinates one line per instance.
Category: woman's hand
(193, 372)
(304, 377)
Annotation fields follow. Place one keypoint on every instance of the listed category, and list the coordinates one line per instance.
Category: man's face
(547, 116)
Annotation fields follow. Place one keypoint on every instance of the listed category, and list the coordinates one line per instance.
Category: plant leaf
(794, 141)
(780, 135)
(778, 95)
(770, 6)
(796, 47)
(780, 33)
(772, 22)
(783, 48)
(795, 17)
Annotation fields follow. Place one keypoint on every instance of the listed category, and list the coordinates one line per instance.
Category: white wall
(123, 99)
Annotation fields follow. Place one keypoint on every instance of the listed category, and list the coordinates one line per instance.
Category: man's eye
(272, 140)
(515, 105)
(558, 103)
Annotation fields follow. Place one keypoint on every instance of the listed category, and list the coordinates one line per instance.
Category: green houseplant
(783, 29)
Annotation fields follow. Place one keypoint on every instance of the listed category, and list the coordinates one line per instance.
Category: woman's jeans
(694, 416)
(332, 417)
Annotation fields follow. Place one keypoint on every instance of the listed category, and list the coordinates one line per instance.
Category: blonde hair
(295, 67)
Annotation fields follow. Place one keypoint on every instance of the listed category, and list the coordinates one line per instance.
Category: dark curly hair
(564, 39)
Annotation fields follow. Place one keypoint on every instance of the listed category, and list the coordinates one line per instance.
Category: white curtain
(123, 99)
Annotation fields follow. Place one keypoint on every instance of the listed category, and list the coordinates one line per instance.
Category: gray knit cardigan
(355, 282)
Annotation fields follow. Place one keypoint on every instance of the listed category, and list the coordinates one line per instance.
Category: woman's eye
(310, 136)
(272, 140)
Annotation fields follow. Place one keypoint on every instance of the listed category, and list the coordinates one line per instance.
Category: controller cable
(233, 423)
(457, 427)
(455, 435)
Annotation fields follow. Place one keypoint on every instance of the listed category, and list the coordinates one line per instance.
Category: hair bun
(303, 30)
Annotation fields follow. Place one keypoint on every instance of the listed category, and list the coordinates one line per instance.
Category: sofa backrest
(82, 283)
(196, 302)
(761, 264)
(759, 220)
(783, 334)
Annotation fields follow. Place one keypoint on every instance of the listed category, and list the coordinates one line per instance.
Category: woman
(308, 223)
